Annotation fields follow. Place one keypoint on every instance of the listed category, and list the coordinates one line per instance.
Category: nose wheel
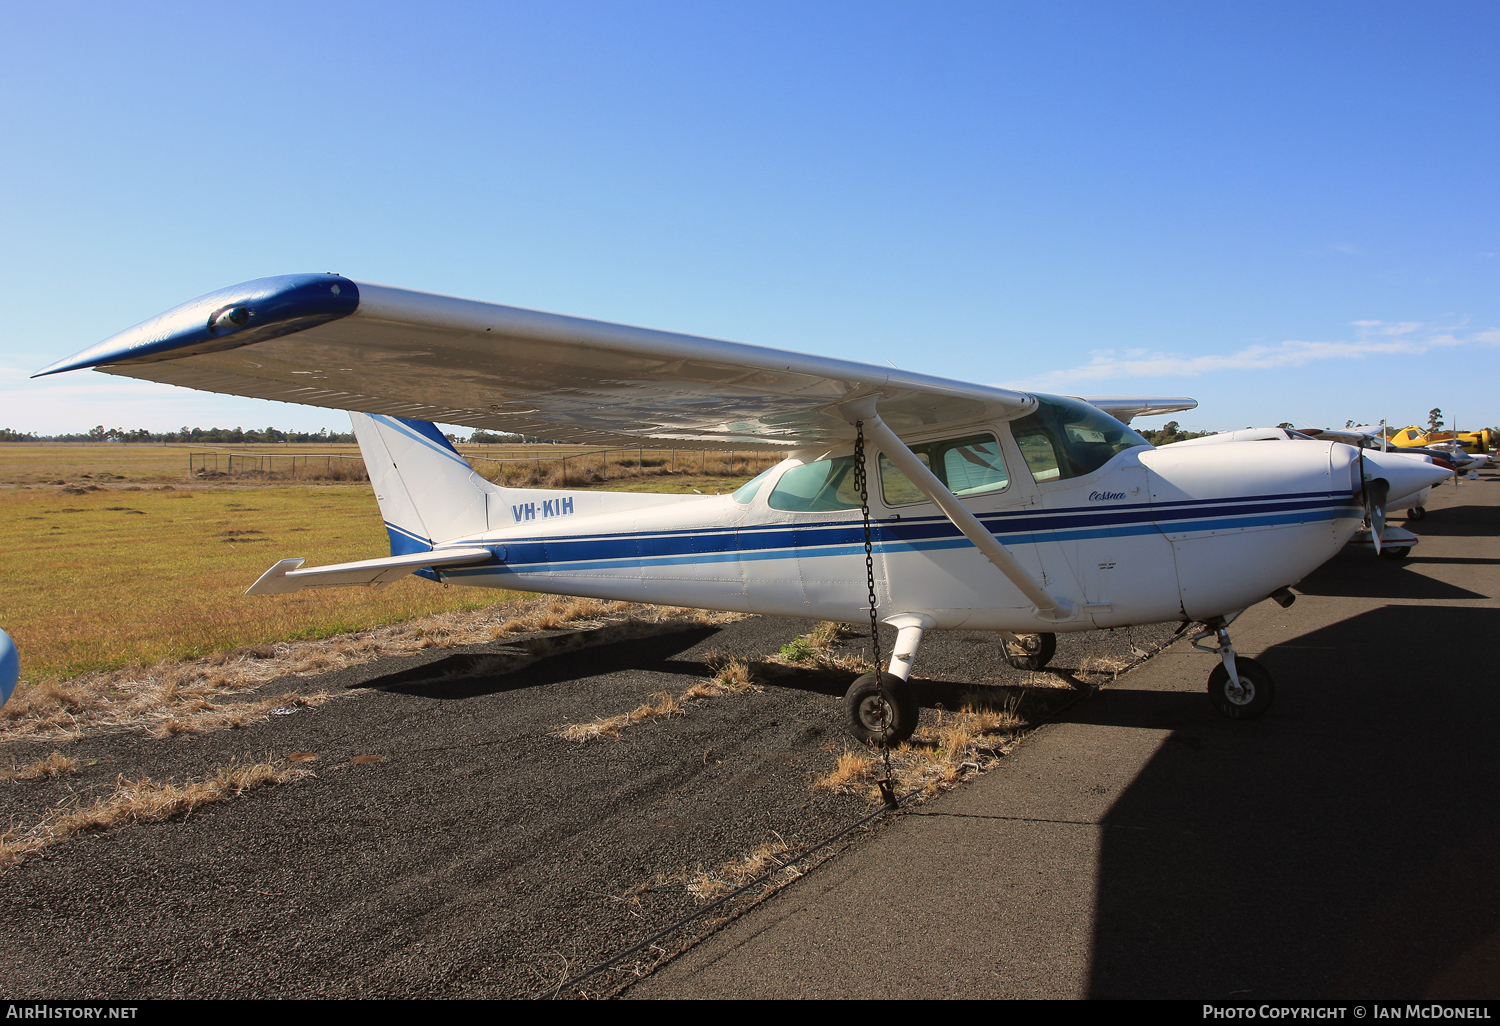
(1239, 687)
(1245, 699)
(881, 711)
(1029, 651)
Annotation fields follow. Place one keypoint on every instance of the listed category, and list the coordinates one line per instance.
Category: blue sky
(1287, 211)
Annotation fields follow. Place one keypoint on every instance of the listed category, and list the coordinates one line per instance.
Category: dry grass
(819, 648)
(109, 579)
(709, 884)
(732, 677)
(197, 715)
(1099, 666)
(285, 469)
(542, 467)
(140, 801)
(531, 465)
(940, 754)
(115, 556)
(777, 856)
(852, 767)
(815, 650)
(662, 706)
(52, 766)
(192, 695)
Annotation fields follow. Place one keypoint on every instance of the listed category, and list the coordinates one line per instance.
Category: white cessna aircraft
(1383, 473)
(944, 504)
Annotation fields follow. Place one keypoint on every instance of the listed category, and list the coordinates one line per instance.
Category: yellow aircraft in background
(1413, 437)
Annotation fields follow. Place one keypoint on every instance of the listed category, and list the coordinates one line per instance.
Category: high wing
(324, 340)
(1124, 408)
(1350, 436)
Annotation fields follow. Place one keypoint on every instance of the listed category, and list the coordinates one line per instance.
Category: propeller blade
(1375, 508)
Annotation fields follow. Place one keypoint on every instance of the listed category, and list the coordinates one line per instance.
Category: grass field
(515, 465)
(113, 555)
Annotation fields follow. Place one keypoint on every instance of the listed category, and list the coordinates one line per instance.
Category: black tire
(1040, 648)
(1259, 688)
(1417, 513)
(863, 705)
(1387, 552)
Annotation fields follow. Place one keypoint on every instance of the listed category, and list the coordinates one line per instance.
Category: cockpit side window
(971, 465)
(1066, 438)
(817, 487)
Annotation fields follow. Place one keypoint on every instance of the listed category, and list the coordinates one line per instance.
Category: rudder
(427, 492)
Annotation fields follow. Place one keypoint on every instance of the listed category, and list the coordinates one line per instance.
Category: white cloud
(1376, 338)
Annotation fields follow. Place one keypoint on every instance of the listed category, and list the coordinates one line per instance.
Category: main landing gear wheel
(1417, 513)
(1254, 695)
(875, 719)
(1387, 552)
(1034, 652)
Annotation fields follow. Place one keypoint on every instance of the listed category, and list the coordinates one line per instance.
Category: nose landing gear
(1239, 687)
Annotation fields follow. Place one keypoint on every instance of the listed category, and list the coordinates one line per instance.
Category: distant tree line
(1168, 433)
(235, 435)
(197, 436)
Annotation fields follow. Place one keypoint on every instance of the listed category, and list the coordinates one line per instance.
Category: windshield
(1069, 438)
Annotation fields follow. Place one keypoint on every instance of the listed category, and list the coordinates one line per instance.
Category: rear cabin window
(971, 465)
(746, 492)
(1066, 438)
(818, 487)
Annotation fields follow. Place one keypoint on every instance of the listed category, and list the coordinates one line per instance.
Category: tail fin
(427, 492)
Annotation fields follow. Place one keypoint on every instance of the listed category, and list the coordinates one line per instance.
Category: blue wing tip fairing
(10, 667)
(251, 311)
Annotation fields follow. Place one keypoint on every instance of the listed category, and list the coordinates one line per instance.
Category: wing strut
(1048, 607)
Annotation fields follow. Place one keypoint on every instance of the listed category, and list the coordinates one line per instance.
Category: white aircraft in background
(943, 504)
(1384, 473)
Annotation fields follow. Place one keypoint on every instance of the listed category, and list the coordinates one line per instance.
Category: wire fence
(537, 470)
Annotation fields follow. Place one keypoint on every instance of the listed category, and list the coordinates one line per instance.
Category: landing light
(234, 317)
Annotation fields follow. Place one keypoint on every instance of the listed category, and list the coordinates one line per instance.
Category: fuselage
(1149, 535)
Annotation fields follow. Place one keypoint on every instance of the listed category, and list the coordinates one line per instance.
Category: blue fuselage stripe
(659, 549)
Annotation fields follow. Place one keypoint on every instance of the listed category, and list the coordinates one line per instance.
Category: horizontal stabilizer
(1125, 408)
(285, 577)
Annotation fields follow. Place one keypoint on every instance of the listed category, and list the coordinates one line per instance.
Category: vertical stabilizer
(428, 493)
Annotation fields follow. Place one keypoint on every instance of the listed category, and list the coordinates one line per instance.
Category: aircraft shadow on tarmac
(1457, 522)
(499, 668)
(496, 668)
(515, 666)
(1363, 574)
(1347, 843)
